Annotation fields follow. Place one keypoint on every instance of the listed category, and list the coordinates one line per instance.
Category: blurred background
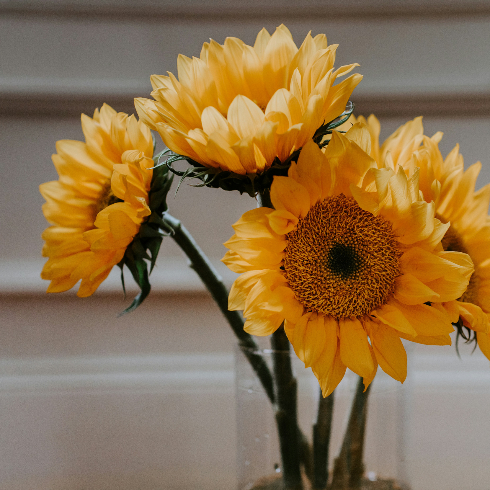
(92, 401)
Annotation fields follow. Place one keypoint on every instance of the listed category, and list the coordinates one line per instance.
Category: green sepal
(157, 220)
(121, 266)
(138, 249)
(142, 279)
(148, 232)
(326, 129)
(154, 248)
(141, 254)
(160, 186)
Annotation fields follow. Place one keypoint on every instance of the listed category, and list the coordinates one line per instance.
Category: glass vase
(382, 446)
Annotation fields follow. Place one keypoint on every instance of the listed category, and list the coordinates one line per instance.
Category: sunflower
(348, 259)
(452, 189)
(97, 205)
(237, 108)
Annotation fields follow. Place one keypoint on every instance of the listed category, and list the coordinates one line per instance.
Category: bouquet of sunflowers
(352, 246)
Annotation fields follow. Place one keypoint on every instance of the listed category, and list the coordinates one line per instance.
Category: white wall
(146, 401)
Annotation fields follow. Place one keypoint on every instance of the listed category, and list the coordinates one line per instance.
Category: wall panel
(90, 400)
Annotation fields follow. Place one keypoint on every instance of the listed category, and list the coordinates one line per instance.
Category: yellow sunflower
(238, 107)
(347, 259)
(452, 189)
(98, 203)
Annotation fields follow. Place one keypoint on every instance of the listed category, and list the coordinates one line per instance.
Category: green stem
(264, 199)
(321, 441)
(213, 282)
(349, 466)
(286, 411)
(294, 445)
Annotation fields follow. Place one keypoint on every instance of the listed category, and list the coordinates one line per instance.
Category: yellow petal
(287, 304)
(218, 149)
(329, 368)
(278, 53)
(410, 291)
(289, 195)
(264, 254)
(427, 266)
(287, 142)
(253, 224)
(427, 321)
(241, 288)
(401, 138)
(354, 348)
(473, 317)
(484, 343)
(389, 351)
(286, 103)
(311, 120)
(309, 184)
(263, 325)
(261, 42)
(213, 121)
(314, 339)
(235, 263)
(313, 171)
(394, 318)
(245, 116)
(265, 140)
(245, 150)
(418, 225)
(339, 95)
(295, 332)
(451, 308)
(361, 136)
(282, 221)
(367, 380)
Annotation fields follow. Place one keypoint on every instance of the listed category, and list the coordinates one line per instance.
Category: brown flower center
(452, 242)
(341, 260)
(106, 198)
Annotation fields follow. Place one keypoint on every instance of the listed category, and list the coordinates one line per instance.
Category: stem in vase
(286, 411)
(294, 445)
(214, 284)
(321, 440)
(349, 466)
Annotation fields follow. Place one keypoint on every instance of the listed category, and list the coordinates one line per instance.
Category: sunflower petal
(354, 348)
(389, 351)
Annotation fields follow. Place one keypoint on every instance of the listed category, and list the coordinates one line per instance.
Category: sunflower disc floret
(341, 260)
(349, 259)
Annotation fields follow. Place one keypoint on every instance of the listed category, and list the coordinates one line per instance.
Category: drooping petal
(90, 232)
(389, 351)
(354, 349)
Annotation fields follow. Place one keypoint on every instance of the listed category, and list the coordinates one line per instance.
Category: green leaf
(123, 284)
(141, 254)
(154, 248)
(149, 232)
(144, 284)
(138, 249)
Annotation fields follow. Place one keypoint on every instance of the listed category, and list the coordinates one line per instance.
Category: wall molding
(171, 373)
(218, 9)
(171, 274)
(212, 373)
(446, 103)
